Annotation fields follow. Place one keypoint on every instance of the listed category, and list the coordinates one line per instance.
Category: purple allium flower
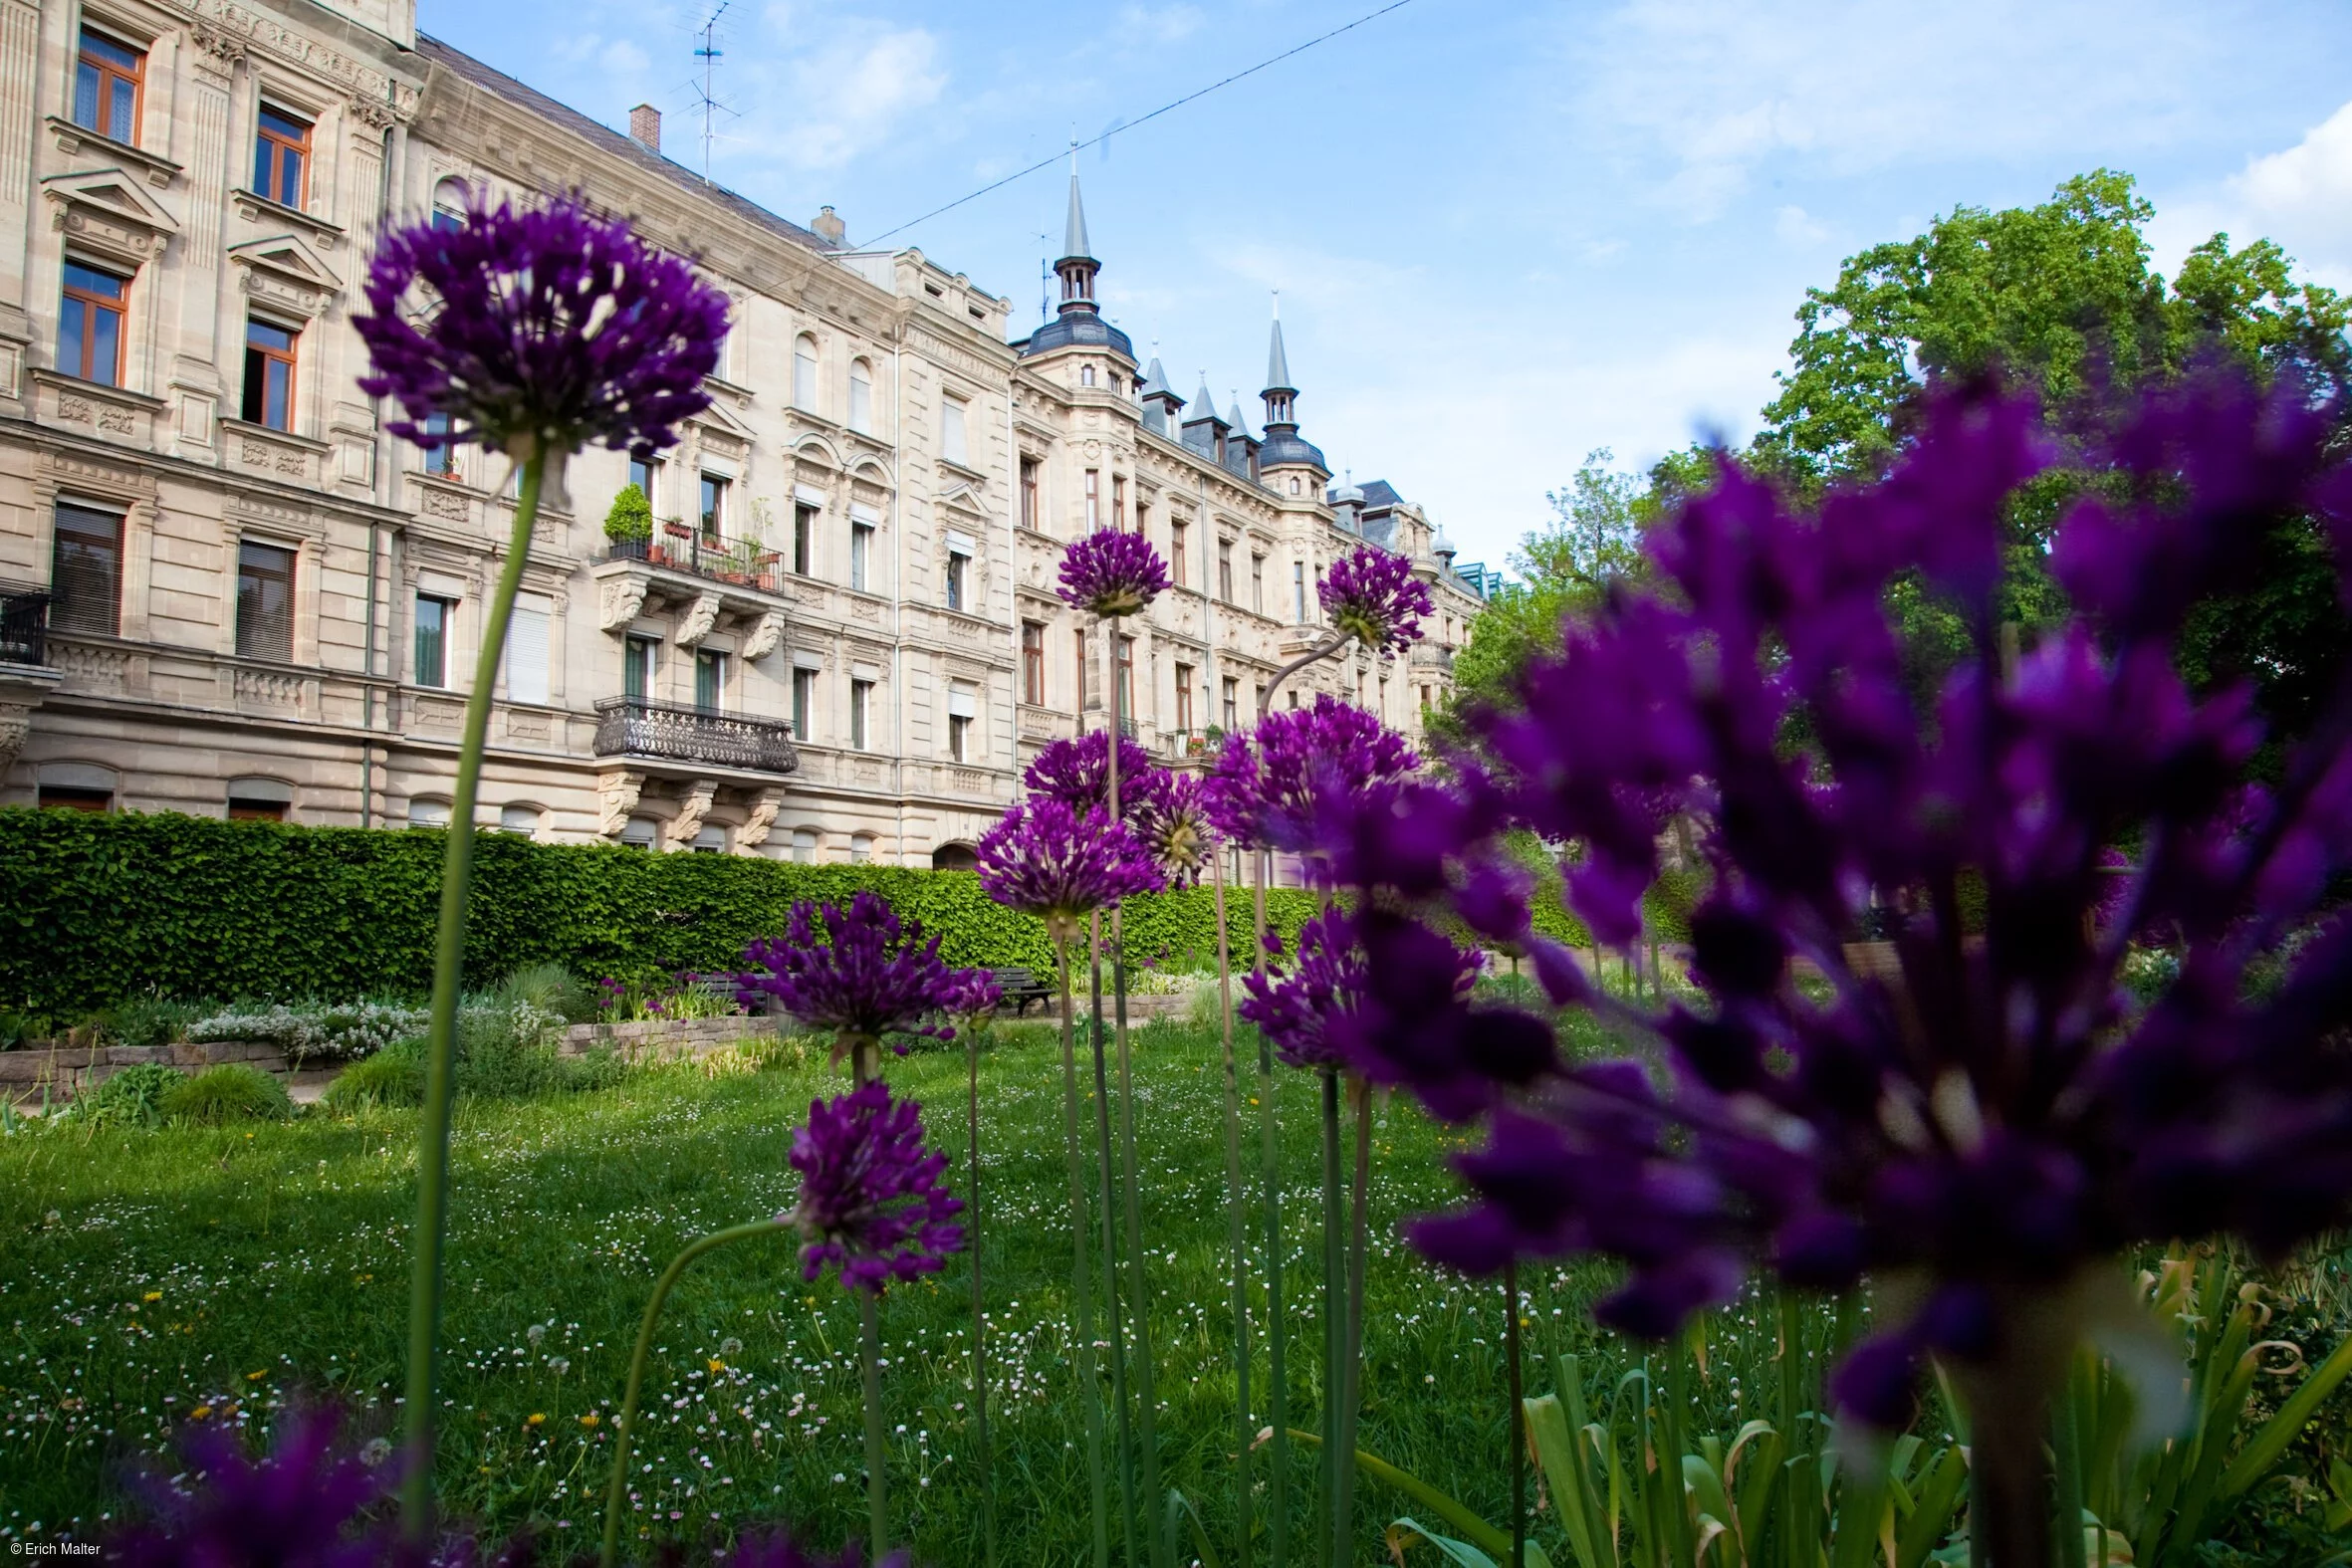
(1047, 860)
(1077, 773)
(1112, 573)
(862, 972)
(1371, 594)
(970, 995)
(300, 1506)
(1311, 1007)
(1271, 785)
(1997, 1123)
(544, 324)
(870, 1199)
(1172, 823)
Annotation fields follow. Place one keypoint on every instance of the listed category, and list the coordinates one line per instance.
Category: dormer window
(106, 83)
(280, 158)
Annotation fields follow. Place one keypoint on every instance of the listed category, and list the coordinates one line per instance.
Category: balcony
(738, 561)
(1191, 745)
(675, 732)
(24, 624)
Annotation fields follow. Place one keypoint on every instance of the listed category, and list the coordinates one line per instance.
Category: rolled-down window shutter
(526, 655)
(962, 704)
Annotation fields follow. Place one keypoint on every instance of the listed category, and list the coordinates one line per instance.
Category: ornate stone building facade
(224, 588)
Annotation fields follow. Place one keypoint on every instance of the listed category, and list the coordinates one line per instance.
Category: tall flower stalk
(970, 1002)
(1061, 865)
(532, 333)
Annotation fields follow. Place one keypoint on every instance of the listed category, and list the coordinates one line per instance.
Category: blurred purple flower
(1112, 573)
(1172, 823)
(299, 1508)
(862, 972)
(1995, 1121)
(1311, 1006)
(1371, 594)
(870, 1199)
(1047, 860)
(544, 324)
(1077, 773)
(969, 995)
(1272, 785)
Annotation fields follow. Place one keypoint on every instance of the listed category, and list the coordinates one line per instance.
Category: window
(1028, 492)
(639, 833)
(450, 200)
(1294, 484)
(1176, 553)
(1425, 699)
(646, 474)
(861, 694)
(1294, 695)
(637, 668)
(804, 374)
(805, 846)
(861, 848)
(523, 820)
(280, 158)
(712, 840)
(1094, 499)
(1298, 587)
(952, 446)
(861, 398)
(428, 814)
(434, 617)
(1118, 502)
(710, 680)
(862, 548)
(1183, 696)
(1086, 375)
(107, 82)
(527, 644)
(956, 566)
(959, 737)
(1382, 710)
(268, 374)
(1232, 704)
(1033, 663)
(1225, 570)
(265, 601)
(86, 571)
(714, 505)
(804, 702)
(441, 458)
(259, 799)
(90, 324)
(1127, 678)
(963, 707)
(804, 530)
(1257, 583)
(1085, 682)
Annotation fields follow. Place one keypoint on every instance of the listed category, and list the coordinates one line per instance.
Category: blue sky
(1505, 234)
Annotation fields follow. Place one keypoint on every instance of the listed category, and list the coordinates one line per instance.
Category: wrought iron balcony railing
(736, 561)
(24, 624)
(675, 732)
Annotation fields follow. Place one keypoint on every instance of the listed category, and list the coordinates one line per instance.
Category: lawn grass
(150, 1275)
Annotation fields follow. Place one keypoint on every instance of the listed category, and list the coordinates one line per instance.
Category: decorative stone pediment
(108, 211)
(286, 272)
(964, 494)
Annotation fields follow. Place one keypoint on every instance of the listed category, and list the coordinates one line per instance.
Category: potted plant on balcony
(629, 524)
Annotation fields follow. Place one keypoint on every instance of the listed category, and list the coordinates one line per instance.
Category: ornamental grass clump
(1981, 1135)
(530, 331)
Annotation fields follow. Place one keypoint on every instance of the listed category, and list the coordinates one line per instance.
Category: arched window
(954, 857)
(712, 840)
(519, 818)
(1086, 375)
(861, 848)
(805, 846)
(427, 812)
(805, 372)
(861, 398)
(76, 786)
(640, 833)
(259, 799)
(451, 198)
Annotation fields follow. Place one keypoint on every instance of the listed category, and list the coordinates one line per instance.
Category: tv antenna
(709, 55)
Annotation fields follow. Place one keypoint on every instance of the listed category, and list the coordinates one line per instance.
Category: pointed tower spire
(1073, 231)
(1279, 392)
(1077, 266)
(1281, 446)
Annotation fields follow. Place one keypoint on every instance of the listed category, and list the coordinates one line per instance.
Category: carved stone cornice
(230, 32)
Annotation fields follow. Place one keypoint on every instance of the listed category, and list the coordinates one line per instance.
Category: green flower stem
(869, 1365)
(1237, 1220)
(627, 1426)
(988, 1490)
(1335, 1318)
(432, 1166)
(1081, 1292)
(1107, 1192)
(1352, 1356)
(1512, 1428)
(1270, 1165)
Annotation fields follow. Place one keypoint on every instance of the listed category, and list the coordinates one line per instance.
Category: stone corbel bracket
(697, 805)
(698, 622)
(616, 797)
(765, 637)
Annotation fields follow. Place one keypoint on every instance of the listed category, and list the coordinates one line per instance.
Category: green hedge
(97, 909)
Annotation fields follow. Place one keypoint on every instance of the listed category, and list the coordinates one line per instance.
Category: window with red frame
(90, 324)
(107, 81)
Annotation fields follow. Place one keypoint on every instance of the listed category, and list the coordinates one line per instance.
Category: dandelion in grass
(859, 971)
(1371, 594)
(1985, 1131)
(1111, 573)
(532, 331)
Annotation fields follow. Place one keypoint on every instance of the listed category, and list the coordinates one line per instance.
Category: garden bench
(1020, 988)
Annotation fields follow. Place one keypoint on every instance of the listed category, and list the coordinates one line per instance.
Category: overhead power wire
(1080, 147)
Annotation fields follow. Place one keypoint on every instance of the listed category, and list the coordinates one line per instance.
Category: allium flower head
(547, 324)
(1311, 1006)
(1999, 1119)
(299, 1506)
(1049, 861)
(969, 997)
(1271, 785)
(870, 1199)
(1112, 573)
(1172, 823)
(1077, 773)
(860, 971)
(1371, 594)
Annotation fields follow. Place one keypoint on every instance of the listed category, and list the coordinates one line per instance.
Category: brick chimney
(827, 226)
(645, 125)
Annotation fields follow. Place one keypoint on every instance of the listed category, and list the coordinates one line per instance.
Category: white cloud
(2301, 196)
(1160, 24)
(1795, 226)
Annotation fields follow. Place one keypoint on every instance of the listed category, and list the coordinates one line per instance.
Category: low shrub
(313, 1031)
(149, 1021)
(600, 1068)
(234, 1091)
(133, 1097)
(505, 1049)
(391, 1079)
